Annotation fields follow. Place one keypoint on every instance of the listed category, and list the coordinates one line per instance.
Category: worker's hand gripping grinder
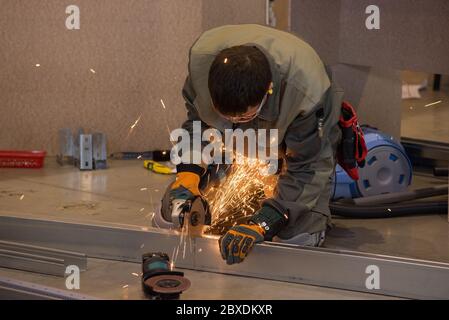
(183, 204)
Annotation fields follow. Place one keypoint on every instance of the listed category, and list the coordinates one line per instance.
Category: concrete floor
(127, 193)
(115, 280)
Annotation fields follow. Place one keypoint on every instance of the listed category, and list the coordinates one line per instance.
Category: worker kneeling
(252, 76)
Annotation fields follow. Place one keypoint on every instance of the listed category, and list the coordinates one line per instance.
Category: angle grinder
(191, 214)
(159, 282)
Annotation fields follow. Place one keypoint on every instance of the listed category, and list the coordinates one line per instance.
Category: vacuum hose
(392, 204)
(387, 211)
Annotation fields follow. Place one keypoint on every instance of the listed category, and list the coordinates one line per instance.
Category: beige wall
(137, 48)
(413, 35)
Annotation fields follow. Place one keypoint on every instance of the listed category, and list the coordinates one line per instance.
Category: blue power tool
(387, 169)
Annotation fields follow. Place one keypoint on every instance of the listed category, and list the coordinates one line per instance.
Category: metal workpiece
(12, 289)
(67, 257)
(106, 240)
(31, 262)
(401, 277)
(341, 269)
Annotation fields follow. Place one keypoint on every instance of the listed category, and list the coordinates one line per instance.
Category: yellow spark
(163, 104)
(125, 286)
(141, 209)
(389, 210)
(38, 65)
(230, 207)
(164, 152)
(184, 252)
(433, 103)
(135, 274)
(199, 250)
(136, 122)
(139, 157)
(143, 189)
(225, 60)
(92, 70)
(22, 196)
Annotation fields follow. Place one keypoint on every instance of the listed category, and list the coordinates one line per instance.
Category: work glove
(239, 240)
(183, 189)
(186, 186)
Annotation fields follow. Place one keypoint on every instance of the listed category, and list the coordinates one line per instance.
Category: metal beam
(31, 262)
(68, 257)
(105, 241)
(400, 277)
(11, 289)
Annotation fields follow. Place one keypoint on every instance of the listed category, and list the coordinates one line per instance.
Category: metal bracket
(99, 150)
(86, 151)
(86, 160)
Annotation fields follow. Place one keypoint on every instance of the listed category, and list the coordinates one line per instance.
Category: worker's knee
(305, 239)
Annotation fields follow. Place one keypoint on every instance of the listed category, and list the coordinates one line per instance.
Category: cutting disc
(168, 284)
(197, 217)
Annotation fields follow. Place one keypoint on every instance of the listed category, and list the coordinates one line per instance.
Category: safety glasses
(245, 117)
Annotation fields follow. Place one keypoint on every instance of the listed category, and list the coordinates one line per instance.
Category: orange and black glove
(186, 185)
(239, 240)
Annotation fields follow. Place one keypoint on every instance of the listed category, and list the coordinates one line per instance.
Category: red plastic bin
(22, 159)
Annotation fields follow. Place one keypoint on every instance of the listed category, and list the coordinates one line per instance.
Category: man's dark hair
(238, 78)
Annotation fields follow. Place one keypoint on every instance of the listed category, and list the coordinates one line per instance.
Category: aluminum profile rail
(68, 257)
(12, 289)
(31, 262)
(401, 277)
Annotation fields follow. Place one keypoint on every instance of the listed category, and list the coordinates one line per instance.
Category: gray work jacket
(301, 88)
